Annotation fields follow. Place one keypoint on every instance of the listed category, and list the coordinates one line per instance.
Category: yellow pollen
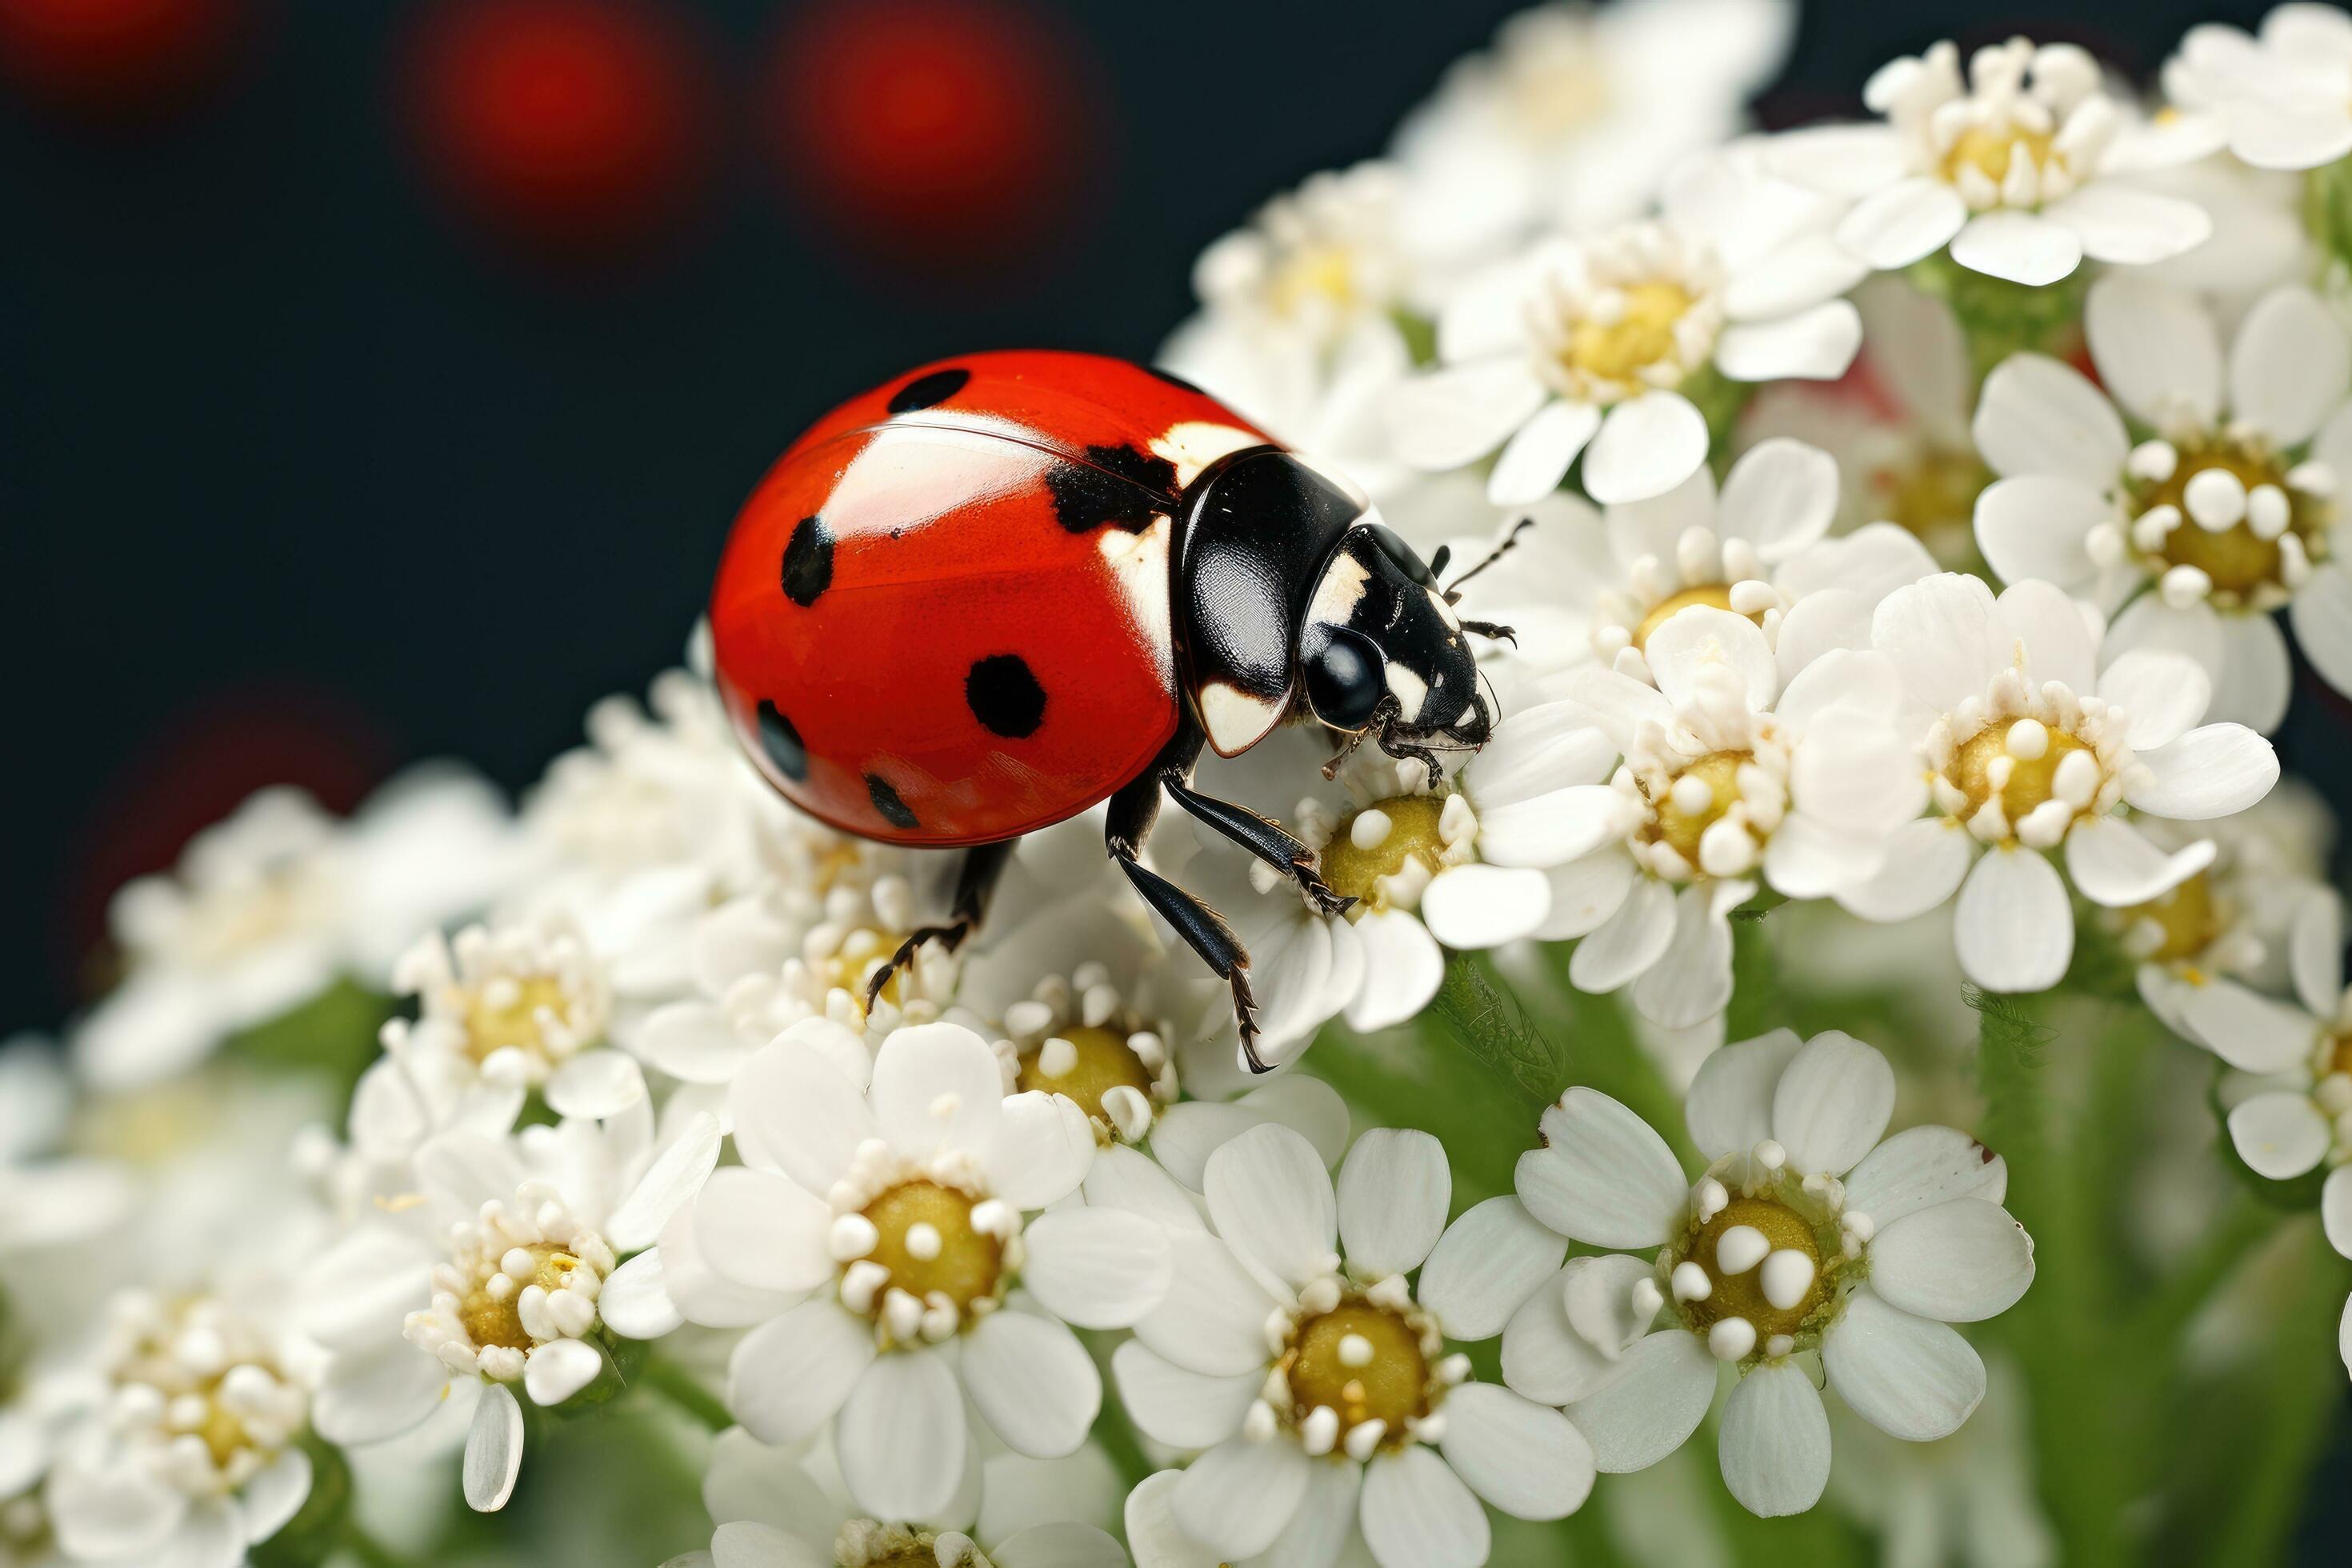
(858, 955)
(489, 1322)
(223, 1431)
(2030, 779)
(1642, 337)
(1104, 1063)
(1391, 1386)
(1989, 152)
(490, 1029)
(1314, 272)
(1741, 1295)
(1356, 872)
(2190, 916)
(2237, 559)
(966, 1266)
(1714, 595)
(1720, 771)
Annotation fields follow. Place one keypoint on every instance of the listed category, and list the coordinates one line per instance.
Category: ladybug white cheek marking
(1342, 588)
(1234, 719)
(1194, 444)
(1410, 689)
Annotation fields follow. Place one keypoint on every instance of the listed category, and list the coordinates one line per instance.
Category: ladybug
(985, 596)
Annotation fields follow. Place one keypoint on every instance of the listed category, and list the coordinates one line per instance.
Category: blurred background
(378, 379)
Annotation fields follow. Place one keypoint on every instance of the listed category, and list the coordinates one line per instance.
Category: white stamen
(1740, 1249)
(1691, 1283)
(1788, 1275)
(1731, 1338)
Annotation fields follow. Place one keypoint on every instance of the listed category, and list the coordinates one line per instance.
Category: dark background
(304, 474)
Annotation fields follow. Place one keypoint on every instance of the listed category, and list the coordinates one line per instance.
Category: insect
(985, 596)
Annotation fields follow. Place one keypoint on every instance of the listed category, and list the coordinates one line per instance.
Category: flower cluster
(1909, 528)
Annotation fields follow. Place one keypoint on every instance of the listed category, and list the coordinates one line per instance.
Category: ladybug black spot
(808, 562)
(1004, 696)
(1091, 495)
(885, 800)
(783, 743)
(929, 391)
(1173, 379)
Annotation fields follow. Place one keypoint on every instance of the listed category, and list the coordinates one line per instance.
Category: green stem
(2301, 1396)
(2242, 1227)
(368, 1550)
(674, 1383)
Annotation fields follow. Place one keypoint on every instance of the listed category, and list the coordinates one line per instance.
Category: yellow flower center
(505, 1014)
(1364, 1362)
(1355, 870)
(2190, 916)
(1932, 493)
(2236, 558)
(494, 1321)
(1640, 337)
(2024, 782)
(927, 1241)
(1741, 1294)
(1989, 152)
(1683, 829)
(1713, 595)
(1099, 1060)
(859, 953)
(1312, 274)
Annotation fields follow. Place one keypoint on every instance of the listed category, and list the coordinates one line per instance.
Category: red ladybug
(980, 599)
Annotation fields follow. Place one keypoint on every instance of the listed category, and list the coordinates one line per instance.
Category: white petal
(270, 1500)
(1691, 982)
(795, 1115)
(697, 1292)
(1131, 1181)
(2157, 349)
(1939, 632)
(1629, 942)
(1403, 966)
(1553, 828)
(2290, 135)
(2114, 864)
(2039, 416)
(1910, 1378)
(2215, 769)
(692, 1041)
(1416, 1513)
(2023, 247)
(369, 1398)
(560, 1369)
(2280, 1135)
(1545, 1357)
(1701, 637)
(1831, 1103)
(1152, 1534)
(1604, 1177)
(1189, 1132)
(1526, 1459)
(1660, 1395)
(1096, 1268)
(2057, 641)
(1584, 893)
(1779, 496)
(1182, 1409)
(2013, 929)
(1393, 1192)
(938, 1086)
(2251, 1032)
(1323, 1527)
(596, 1084)
(1272, 1201)
(2256, 680)
(2034, 526)
(1817, 344)
(1213, 1320)
(1238, 1496)
(1646, 447)
(1729, 1104)
(1925, 862)
(2162, 693)
(1536, 459)
(2336, 1209)
(1448, 417)
(2289, 365)
(1868, 564)
(1898, 225)
(2115, 223)
(1775, 1446)
(493, 1450)
(1033, 1383)
(1045, 1146)
(1469, 908)
(1850, 161)
(2322, 613)
(790, 1375)
(675, 1174)
(1957, 1262)
(1920, 1166)
(1807, 271)
(111, 1512)
(635, 1302)
(902, 1438)
(760, 1230)
(1486, 1265)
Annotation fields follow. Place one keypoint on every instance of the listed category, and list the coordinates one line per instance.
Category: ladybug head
(1382, 654)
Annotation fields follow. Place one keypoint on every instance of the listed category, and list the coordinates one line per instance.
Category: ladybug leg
(1264, 839)
(982, 864)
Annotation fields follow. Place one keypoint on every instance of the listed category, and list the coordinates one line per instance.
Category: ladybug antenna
(1453, 589)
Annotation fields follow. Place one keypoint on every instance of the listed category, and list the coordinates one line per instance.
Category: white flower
(1587, 346)
(2290, 1094)
(2285, 96)
(875, 1236)
(1806, 1236)
(1316, 1388)
(266, 909)
(192, 1455)
(1717, 777)
(1897, 423)
(499, 1265)
(2029, 746)
(50, 1200)
(2016, 167)
(1318, 260)
(787, 1507)
(1577, 114)
(2228, 512)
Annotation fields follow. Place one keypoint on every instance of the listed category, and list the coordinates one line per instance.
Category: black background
(301, 478)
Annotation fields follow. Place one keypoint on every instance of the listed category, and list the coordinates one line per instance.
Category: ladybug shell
(943, 617)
